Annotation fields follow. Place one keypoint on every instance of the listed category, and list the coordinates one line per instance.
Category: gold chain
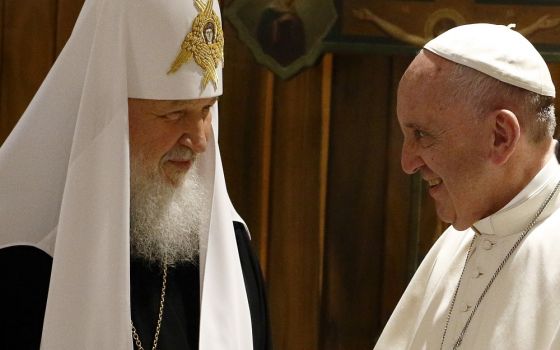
(160, 316)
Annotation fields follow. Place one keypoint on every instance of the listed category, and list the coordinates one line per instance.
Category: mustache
(180, 154)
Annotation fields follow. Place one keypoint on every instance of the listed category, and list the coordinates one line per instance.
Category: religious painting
(395, 26)
(284, 35)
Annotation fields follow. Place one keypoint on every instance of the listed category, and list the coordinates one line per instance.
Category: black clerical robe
(25, 273)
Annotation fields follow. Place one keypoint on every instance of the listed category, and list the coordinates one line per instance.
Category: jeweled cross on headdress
(204, 43)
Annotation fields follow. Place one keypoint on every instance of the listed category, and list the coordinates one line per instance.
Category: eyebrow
(411, 125)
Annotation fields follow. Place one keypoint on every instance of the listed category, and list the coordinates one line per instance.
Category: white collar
(513, 217)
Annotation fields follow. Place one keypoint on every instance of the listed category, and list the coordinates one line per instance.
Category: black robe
(25, 274)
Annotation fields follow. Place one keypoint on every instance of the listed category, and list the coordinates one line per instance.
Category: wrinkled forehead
(422, 76)
(427, 68)
(424, 85)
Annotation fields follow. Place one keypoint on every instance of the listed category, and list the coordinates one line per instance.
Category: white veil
(64, 177)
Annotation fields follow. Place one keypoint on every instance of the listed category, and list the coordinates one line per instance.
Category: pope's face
(444, 141)
(167, 135)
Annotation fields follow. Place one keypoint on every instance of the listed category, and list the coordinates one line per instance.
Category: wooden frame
(283, 35)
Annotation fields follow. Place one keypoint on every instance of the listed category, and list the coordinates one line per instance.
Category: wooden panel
(28, 49)
(245, 132)
(356, 191)
(67, 14)
(294, 266)
(27, 53)
(326, 97)
(34, 32)
(397, 208)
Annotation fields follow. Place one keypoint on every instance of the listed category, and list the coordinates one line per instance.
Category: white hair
(165, 220)
(483, 94)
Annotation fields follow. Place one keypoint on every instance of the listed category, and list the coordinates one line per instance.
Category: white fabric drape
(64, 178)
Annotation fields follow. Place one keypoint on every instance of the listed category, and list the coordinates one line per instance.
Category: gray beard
(165, 221)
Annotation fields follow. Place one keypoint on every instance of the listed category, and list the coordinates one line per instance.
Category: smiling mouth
(434, 182)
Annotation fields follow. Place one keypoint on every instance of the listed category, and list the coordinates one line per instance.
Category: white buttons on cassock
(487, 244)
(476, 273)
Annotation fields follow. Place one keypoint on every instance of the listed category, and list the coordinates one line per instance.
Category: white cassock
(521, 309)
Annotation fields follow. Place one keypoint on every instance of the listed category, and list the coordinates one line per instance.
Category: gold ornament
(204, 43)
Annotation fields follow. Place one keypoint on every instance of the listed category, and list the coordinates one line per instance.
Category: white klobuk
(64, 177)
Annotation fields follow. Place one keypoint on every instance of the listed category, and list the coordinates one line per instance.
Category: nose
(411, 162)
(195, 135)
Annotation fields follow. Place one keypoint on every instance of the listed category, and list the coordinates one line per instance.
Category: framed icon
(284, 35)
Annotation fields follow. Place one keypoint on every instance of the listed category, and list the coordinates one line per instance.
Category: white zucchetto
(497, 51)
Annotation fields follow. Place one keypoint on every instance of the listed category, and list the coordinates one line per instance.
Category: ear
(506, 133)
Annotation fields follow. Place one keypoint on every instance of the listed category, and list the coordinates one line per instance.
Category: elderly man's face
(167, 135)
(444, 141)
